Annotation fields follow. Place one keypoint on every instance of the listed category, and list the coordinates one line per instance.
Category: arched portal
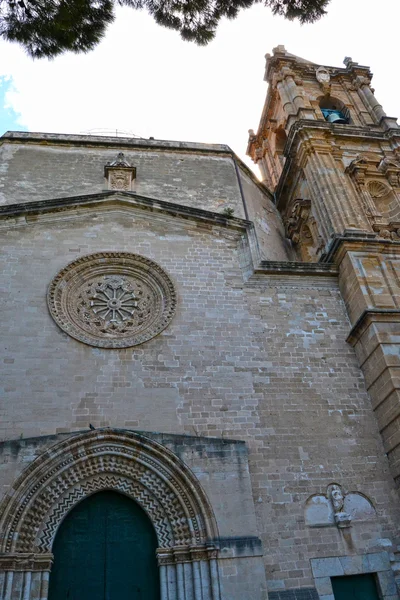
(105, 549)
(119, 461)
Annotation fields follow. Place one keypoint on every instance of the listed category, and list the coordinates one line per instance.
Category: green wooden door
(355, 587)
(105, 549)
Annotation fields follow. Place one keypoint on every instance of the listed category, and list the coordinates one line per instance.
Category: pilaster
(369, 278)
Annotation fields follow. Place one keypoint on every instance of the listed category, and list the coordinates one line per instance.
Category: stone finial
(279, 49)
(119, 174)
(347, 60)
(120, 161)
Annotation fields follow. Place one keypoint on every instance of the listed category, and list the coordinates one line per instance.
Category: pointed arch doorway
(105, 549)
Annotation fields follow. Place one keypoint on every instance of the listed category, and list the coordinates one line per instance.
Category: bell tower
(331, 155)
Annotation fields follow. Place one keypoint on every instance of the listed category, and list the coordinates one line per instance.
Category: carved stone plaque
(112, 299)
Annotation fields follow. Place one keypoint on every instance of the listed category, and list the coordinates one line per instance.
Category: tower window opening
(334, 111)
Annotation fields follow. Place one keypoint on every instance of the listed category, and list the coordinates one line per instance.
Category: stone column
(25, 576)
(336, 206)
(369, 99)
(294, 92)
(285, 97)
(189, 573)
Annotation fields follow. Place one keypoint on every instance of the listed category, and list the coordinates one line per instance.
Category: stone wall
(263, 360)
(40, 172)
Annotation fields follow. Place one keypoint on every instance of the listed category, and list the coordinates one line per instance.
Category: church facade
(200, 371)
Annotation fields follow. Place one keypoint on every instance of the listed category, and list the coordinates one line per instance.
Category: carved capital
(360, 81)
(25, 562)
(182, 554)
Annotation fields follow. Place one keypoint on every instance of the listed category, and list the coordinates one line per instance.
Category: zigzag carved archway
(105, 459)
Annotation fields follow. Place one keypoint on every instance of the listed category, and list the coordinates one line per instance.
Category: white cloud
(144, 79)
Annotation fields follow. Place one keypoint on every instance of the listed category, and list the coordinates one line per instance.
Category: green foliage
(228, 212)
(51, 27)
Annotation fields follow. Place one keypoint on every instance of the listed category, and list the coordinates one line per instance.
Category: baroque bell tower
(331, 155)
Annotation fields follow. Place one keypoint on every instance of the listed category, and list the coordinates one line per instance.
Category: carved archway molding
(118, 460)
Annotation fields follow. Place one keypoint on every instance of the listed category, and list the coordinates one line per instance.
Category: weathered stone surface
(251, 398)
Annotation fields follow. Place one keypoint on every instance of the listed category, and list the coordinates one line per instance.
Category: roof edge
(100, 140)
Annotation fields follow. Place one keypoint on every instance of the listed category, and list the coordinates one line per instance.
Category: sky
(144, 80)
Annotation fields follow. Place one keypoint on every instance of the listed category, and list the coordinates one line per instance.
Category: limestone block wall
(222, 468)
(315, 426)
(39, 171)
(267, 221)
(263, 360)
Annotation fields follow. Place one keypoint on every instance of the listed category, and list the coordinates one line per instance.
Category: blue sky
(9, 119)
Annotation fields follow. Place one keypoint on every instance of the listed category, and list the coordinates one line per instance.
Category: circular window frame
(63, 291)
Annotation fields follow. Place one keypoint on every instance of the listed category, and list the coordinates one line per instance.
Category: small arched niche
(334, 110)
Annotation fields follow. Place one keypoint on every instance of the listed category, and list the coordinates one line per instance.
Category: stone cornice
(128, 199)
(162, 438)
(132, 143)
(361, 241)
(369, 316)
(30, 211)
(296, 268)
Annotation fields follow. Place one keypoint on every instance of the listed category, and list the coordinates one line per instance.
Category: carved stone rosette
(112, 299)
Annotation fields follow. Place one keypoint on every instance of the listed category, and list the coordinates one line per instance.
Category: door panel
(105, 549)
(355, 587)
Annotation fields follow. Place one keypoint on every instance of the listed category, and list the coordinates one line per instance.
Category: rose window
(113, 300)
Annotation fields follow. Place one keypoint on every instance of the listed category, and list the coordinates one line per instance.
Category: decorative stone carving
(105, 459)
(299, 215)
(119, 174)
(302, 229)
(337, 508)
(112, 299)
(358, 168)
(323, 77)
(377, 189)
(342, 519)
(391, 169)
(126, 462)
(363, 171)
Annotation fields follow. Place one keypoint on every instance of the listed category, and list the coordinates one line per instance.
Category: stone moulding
(127, 463)
(112, 299)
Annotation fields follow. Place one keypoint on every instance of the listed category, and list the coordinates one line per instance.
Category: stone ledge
(104, 140)
(128, 198)
(296, 268)
(359, 240)
(370, 315)
(162, 438)
(294, 594)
